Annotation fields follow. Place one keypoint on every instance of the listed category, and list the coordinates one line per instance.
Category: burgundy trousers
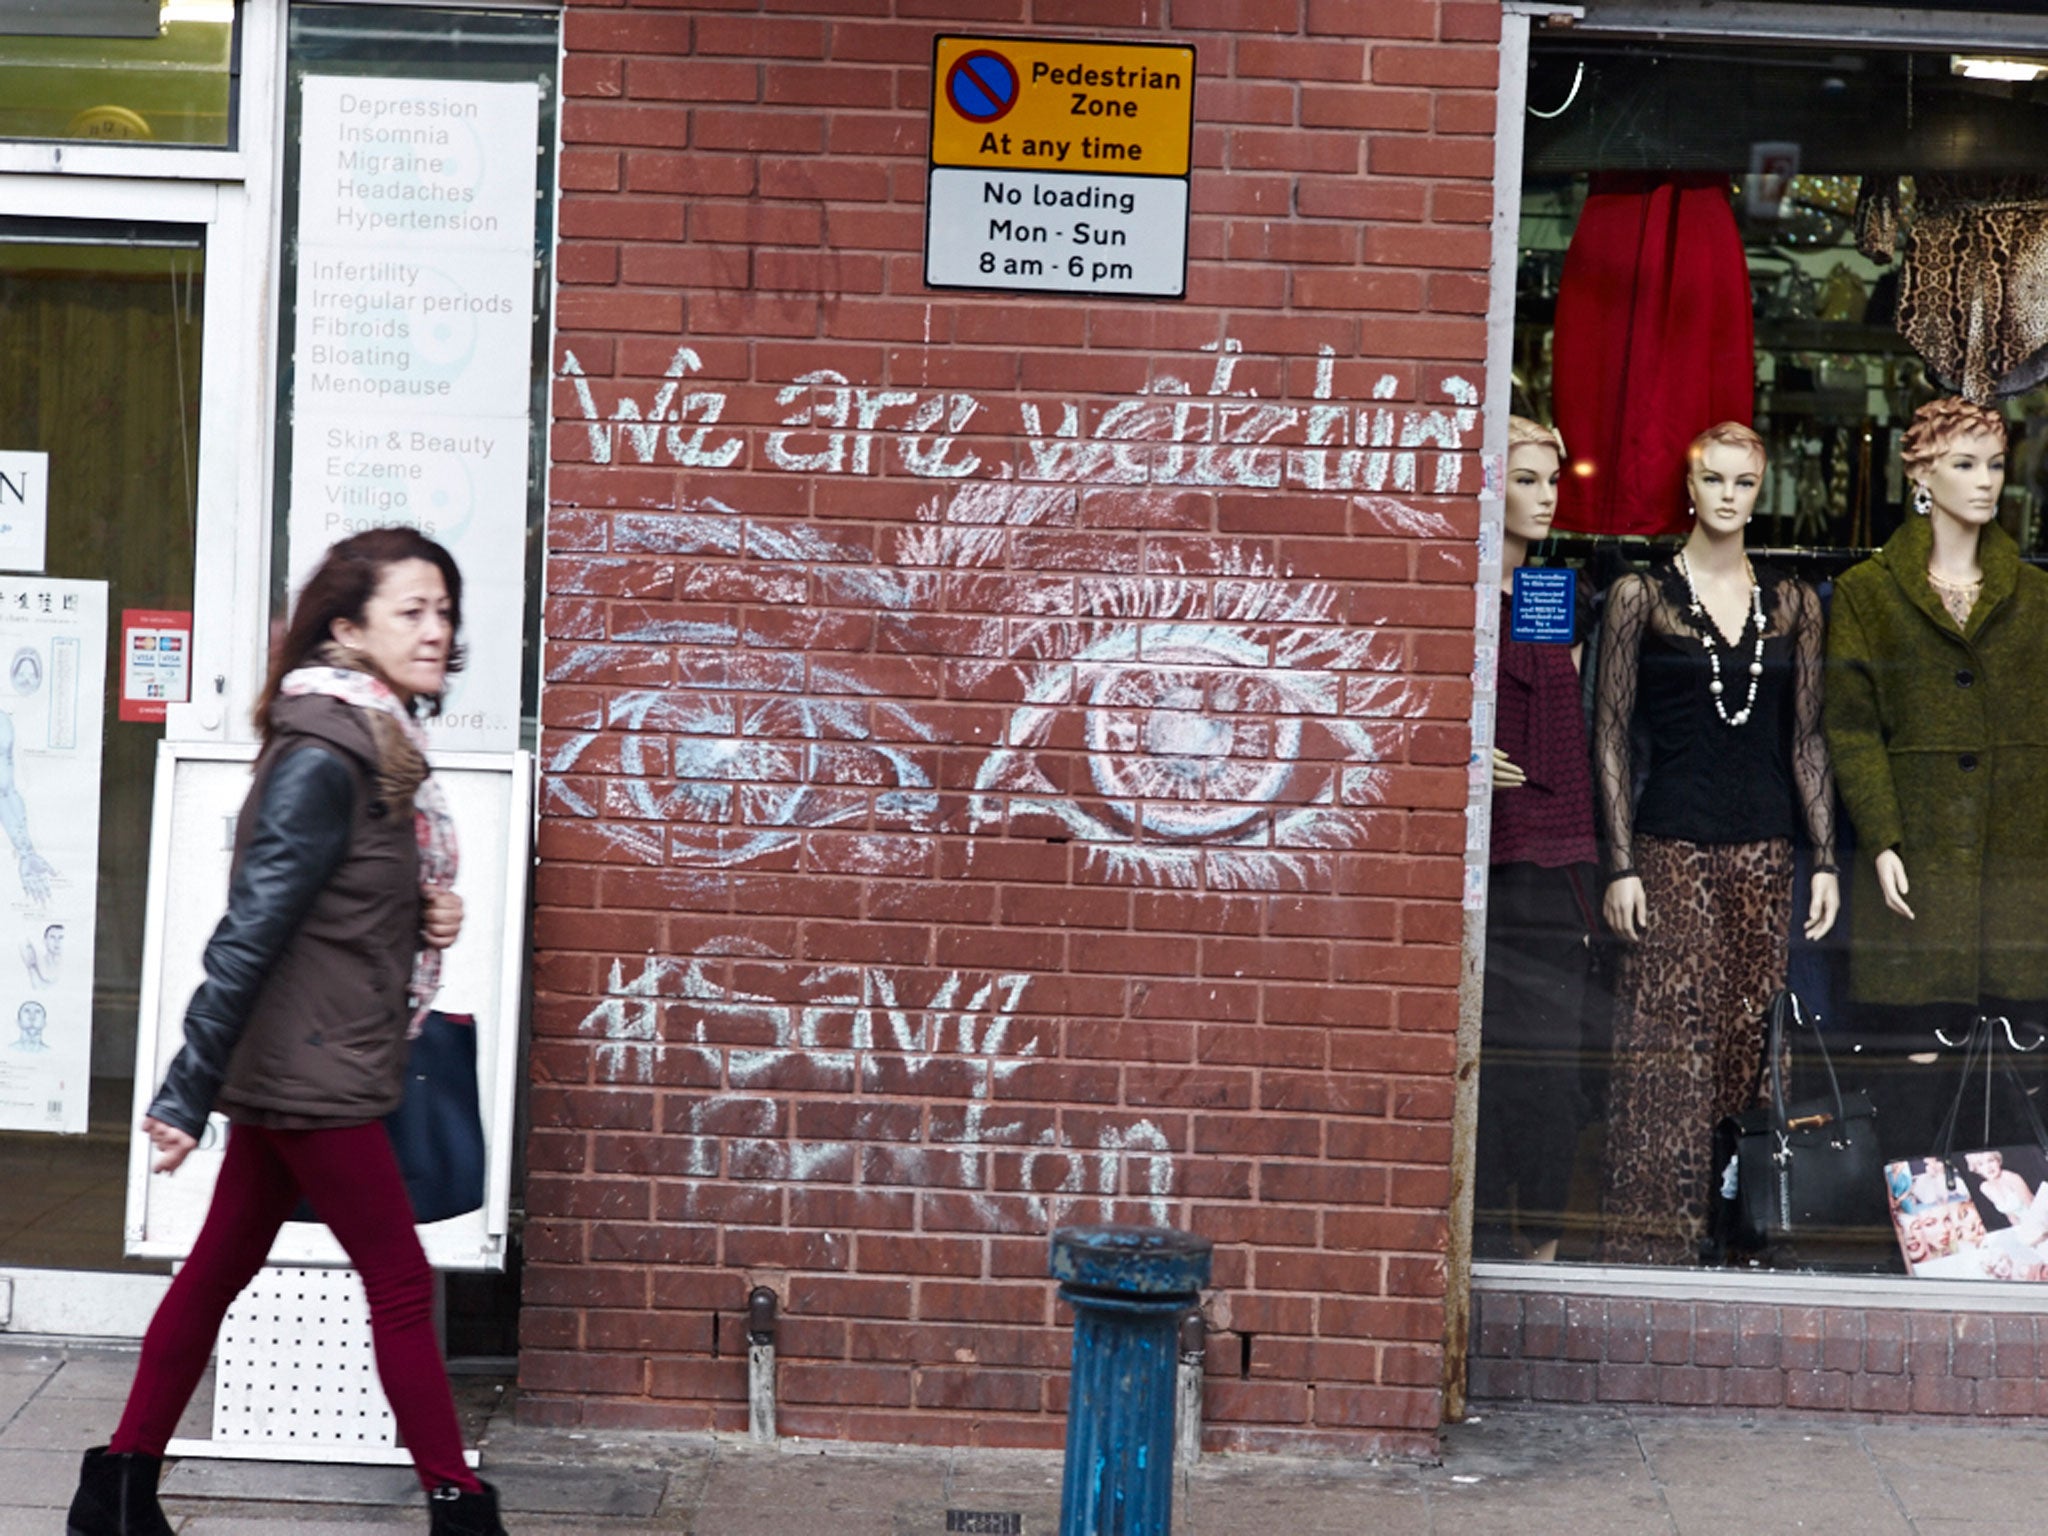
(351, 1176)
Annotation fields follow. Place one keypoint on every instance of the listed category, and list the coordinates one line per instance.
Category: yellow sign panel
(1031, 104)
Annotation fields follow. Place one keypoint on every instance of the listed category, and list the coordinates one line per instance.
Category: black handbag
(438, 1130)
(1805, 1173)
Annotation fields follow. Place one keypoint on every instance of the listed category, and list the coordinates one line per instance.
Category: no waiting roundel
(982, 86)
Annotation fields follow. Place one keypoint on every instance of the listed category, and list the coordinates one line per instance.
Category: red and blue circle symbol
(982, 86)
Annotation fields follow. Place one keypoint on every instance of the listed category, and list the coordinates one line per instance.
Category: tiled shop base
(1544, 1348)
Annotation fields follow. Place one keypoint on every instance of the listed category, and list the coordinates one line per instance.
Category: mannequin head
(1954, 454)
(1535, 459)
(1724, 472)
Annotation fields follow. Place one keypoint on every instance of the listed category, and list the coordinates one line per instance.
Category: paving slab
(247, 1525)
(980, 1473)
(823, 1482)
(1939, 1473)
(1715, 1476)
(60, 1423)
(94, 1373)
(38, 1479)
(600, 1491)
(290, 1482)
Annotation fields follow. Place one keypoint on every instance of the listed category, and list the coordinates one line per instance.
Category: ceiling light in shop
(1976, 67)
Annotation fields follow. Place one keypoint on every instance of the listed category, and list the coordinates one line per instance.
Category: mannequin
(1538, 901)
(1718, 663)
(1937, 716)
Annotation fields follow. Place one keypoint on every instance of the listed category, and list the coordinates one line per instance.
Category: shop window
(118, 71)
(1816, 243)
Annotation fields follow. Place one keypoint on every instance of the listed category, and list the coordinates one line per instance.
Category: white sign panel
(199, 793)
(412, 350)
(24, 510)
(1056, 233)
(53, 640)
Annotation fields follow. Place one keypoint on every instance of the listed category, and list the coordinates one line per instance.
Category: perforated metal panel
(295, 1364)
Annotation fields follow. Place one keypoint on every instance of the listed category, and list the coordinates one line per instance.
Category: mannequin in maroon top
(1538, 906)
(1715, 664)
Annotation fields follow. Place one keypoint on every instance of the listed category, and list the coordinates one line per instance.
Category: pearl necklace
(1705, 624)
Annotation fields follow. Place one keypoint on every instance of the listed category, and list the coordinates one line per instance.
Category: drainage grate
(985, 1522)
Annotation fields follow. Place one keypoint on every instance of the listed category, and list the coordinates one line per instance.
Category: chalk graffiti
(1231, 717)
(863, 1022)
(1224, 727)
(1224, 437)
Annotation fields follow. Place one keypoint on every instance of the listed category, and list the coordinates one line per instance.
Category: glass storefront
(1786, 733)
(103, 326)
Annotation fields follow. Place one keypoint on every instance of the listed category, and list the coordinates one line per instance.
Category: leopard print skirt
(1688, 1036)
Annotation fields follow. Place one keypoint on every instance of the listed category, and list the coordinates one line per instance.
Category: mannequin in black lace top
(1715, 665)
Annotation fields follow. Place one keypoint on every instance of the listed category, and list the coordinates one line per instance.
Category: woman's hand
(1891, 879)
(172, 1145)
(440, 916)
(1626, 909)
(1505, 774)
(1823, 905)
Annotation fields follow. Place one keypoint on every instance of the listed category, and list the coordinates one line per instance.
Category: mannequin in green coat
(1937, 717)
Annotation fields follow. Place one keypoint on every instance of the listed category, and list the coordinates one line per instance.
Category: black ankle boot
(117, 1496)
(457, 1513)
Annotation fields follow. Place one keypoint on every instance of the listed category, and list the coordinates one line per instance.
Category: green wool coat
(1940, 744)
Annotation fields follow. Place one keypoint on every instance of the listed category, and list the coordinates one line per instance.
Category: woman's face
(1967, 477)
(1532, 491)
(406, 630)
(1723, 485)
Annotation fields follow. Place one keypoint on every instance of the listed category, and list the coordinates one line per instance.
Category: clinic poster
(53, 645)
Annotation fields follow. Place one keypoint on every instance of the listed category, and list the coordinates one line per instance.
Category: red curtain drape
(1656, 342)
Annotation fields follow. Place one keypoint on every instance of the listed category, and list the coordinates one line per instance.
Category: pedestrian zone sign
(1059, 167)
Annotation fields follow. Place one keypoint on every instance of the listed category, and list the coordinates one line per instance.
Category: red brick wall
(1004, 757)
(1545, 1348)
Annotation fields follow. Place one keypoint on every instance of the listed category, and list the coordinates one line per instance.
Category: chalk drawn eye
(1186, 745)
(1213, 754)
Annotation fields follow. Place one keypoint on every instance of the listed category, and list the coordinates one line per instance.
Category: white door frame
(233, 195)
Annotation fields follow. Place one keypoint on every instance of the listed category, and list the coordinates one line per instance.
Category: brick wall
(1545, 1348)
(1003, 757)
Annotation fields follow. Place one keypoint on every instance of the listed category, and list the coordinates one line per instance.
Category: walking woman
(338, 908)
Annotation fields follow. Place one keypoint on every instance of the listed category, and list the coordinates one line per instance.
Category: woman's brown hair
(341, 587)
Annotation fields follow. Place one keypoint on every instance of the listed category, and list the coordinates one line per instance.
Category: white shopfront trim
(236, 196)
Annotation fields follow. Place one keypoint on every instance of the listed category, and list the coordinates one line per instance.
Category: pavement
(1517, 1472)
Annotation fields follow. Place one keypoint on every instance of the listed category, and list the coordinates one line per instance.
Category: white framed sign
(199, 792)
(24, 510)
(412, 350)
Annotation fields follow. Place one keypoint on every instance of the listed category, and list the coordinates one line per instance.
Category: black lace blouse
(1706, 781)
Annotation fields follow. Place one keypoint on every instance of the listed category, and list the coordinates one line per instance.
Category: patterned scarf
(402, 776)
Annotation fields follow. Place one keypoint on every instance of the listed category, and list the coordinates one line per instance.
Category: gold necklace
(1958, 597)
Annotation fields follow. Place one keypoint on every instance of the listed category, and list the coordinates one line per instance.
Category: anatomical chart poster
(53, 647)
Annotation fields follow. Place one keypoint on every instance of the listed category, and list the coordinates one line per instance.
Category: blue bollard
(1129, 1287)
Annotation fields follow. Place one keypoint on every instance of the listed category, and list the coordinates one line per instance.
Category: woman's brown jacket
(301, 1019)
(1940, 742)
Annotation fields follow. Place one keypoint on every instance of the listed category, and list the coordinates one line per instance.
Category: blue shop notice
(1542, 604)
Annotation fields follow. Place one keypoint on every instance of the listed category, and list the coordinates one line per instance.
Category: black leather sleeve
(299, 838)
